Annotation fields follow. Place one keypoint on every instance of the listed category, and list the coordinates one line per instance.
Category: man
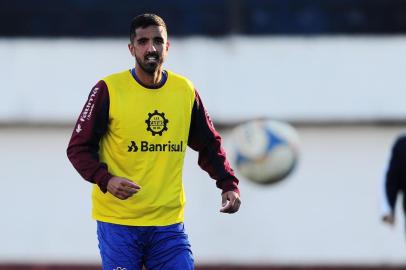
(395, 181)
(130, 140)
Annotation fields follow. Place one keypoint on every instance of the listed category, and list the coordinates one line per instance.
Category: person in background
(395, 180)
(130, 141)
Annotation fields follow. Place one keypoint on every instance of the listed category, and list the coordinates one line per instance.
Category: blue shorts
(155, 247)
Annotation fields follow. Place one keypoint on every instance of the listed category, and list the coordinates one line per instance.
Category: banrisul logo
(133, 147)
(145, 146)
(156, 123)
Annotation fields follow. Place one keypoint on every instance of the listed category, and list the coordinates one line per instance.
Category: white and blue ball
(265, 151)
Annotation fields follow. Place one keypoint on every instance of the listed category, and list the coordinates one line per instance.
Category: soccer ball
(265, 151)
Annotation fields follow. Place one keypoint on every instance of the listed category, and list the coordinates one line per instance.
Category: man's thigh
(169, 249)
(119, 247)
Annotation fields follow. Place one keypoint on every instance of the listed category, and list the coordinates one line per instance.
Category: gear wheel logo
(156, 123)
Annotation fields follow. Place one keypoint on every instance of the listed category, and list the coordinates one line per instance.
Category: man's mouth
(152, 58)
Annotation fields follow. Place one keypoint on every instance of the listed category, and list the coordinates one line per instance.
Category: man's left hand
(230, 202)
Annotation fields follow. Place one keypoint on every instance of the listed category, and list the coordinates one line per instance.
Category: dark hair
(145, 20)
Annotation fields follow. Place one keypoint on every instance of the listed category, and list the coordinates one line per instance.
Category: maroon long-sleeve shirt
(93, 123)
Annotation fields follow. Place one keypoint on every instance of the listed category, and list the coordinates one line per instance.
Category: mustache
(153, 54)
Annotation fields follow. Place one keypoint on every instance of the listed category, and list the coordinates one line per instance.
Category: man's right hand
(122, 188)
(389, 219)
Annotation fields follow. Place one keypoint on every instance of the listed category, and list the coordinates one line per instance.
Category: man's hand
(122, 188)
(389, 218)
(230, 202)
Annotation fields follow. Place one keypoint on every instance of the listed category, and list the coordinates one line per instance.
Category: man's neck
(148, 79)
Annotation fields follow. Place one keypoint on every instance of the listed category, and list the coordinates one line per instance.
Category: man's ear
(167, 45)
(131, 49)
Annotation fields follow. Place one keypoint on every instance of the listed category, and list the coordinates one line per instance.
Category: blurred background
(332, 68)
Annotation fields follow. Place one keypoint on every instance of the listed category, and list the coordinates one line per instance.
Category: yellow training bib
(146, 142)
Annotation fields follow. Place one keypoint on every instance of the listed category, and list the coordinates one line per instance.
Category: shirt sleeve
(204, 139)
(393, 182)
(83, 146)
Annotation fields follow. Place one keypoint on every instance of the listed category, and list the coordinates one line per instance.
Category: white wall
(326, 212)
(313, 79)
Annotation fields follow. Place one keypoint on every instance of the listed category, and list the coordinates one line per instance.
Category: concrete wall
(327, 212)
(286, 78)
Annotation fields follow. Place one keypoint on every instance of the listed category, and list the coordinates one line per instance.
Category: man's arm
(392, 181)
(83, 148)
(212, 158)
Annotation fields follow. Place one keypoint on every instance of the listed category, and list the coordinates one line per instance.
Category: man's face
(150, 47)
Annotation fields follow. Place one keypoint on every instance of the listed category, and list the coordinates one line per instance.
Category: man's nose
(151, 47)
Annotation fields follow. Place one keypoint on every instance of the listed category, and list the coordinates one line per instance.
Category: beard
(149, 67)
